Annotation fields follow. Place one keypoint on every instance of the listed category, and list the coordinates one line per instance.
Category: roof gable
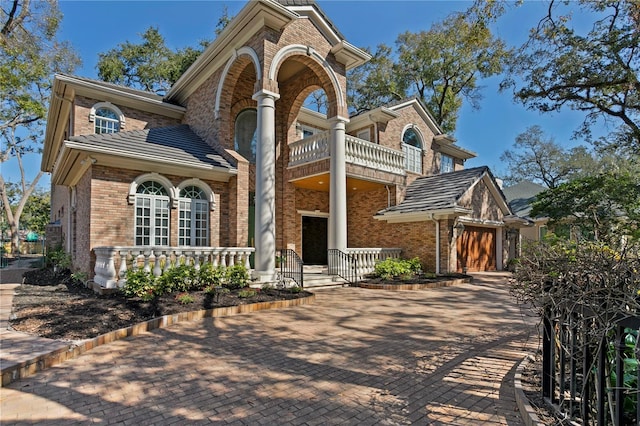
(440, 195)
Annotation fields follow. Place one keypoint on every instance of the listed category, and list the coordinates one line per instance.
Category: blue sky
(97, 26)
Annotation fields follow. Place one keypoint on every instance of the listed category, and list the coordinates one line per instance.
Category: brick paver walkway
(356, 357)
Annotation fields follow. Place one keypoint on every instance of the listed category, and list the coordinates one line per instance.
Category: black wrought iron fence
(343, 265)
(591, 379)
(291, 266)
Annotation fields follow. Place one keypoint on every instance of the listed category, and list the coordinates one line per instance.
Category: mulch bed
(57, 307)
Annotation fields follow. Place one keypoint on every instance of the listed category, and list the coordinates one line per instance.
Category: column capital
(262, 94)
(338, 119)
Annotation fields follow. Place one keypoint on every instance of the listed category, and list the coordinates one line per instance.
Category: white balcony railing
(112, 263)
(357, 151)
(366, 258)
(308, 150)
(368, 154)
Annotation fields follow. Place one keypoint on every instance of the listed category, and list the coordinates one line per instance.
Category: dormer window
(107, 118)
(446, 164)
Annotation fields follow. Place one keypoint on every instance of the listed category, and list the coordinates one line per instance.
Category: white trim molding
(171, 190)
(108, 105)
(200, 184)
(245, 50)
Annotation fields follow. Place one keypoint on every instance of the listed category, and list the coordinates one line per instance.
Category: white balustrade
(366, 258)
(112, 263)
(308, 150)
(357, 151)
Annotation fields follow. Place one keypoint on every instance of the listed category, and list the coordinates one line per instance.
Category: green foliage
(211, 276)
(602, 207)
(397, 268)
(178, 278)
(140, 284)
(247, 293)
(294, 289)
(29, 55)
(80, 277)
(185, 298)
(237, 277)
(441, 66)
(59, 259)
(590, 64)
(149, 65)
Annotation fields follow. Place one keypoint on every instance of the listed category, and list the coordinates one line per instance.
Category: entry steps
(317, 277)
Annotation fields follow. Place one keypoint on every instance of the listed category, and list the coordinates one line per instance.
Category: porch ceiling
(322, 183)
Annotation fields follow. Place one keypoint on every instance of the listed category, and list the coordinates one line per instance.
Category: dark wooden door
(476, 249)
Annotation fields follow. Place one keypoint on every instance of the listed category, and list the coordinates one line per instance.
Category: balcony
(357, 152)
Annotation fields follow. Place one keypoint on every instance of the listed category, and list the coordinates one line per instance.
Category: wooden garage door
(477, 249)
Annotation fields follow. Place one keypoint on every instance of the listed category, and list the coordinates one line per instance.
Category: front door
(314, 240)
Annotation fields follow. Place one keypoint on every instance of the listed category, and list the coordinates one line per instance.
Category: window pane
(245, 134)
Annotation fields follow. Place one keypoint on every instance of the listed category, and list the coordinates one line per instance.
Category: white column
(338, 190)
(265, 221)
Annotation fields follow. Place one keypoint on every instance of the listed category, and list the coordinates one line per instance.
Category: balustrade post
(122, 274)
(157, 270)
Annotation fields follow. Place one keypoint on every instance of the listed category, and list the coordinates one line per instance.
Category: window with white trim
(193, 217)
(106, 121)
(446, 164)
(412, 149)
(365, 135)
(152, 214)
(246, 135)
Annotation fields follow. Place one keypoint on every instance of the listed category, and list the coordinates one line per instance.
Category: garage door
(477, 249)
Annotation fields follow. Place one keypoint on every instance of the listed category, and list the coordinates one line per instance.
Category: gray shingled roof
(177, 144)
(437, 192)
(521, 195)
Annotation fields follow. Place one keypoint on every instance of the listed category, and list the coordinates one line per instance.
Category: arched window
(245, 134)
(152, 214)
(107, 118)
(193, 221)
(412, 148)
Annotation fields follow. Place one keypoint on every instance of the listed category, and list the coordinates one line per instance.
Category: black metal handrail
(344, 265)
(291, 266)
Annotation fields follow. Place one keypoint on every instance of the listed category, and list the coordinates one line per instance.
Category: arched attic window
(107, 118)
(245, 134)
(412, 149)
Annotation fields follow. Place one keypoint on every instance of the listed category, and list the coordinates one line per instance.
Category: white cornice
(421, 216)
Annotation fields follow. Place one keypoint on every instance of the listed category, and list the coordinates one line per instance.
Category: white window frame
(365, 135)
(193, 221)
(447, 166)
(98, 120)
(158, 218)
(412, 154)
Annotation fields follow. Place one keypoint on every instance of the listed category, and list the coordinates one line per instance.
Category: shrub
(140, 284)
(249, 292)
(237, 277)
(394, 268)
(211, 276)
(178, 278)
(185, 298)
(59, 259)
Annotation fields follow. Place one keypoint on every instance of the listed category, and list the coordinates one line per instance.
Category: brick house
(229, 165)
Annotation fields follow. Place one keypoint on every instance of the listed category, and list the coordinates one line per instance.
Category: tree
(540, 159)
(149, 66)
(441, 66)
(602, 207)
(373, 84)
(594, 71)
(30, 54)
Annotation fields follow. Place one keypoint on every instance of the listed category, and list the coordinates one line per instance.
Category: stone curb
(527, 413)
(422, 286)
(42, 362)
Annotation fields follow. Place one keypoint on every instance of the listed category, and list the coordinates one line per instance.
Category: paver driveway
(431, 357)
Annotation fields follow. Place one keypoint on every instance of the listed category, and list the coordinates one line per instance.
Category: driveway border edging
(42, 362)
(527, 412)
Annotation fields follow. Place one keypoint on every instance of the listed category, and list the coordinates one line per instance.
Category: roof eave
(423, 215)
(255, 15)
